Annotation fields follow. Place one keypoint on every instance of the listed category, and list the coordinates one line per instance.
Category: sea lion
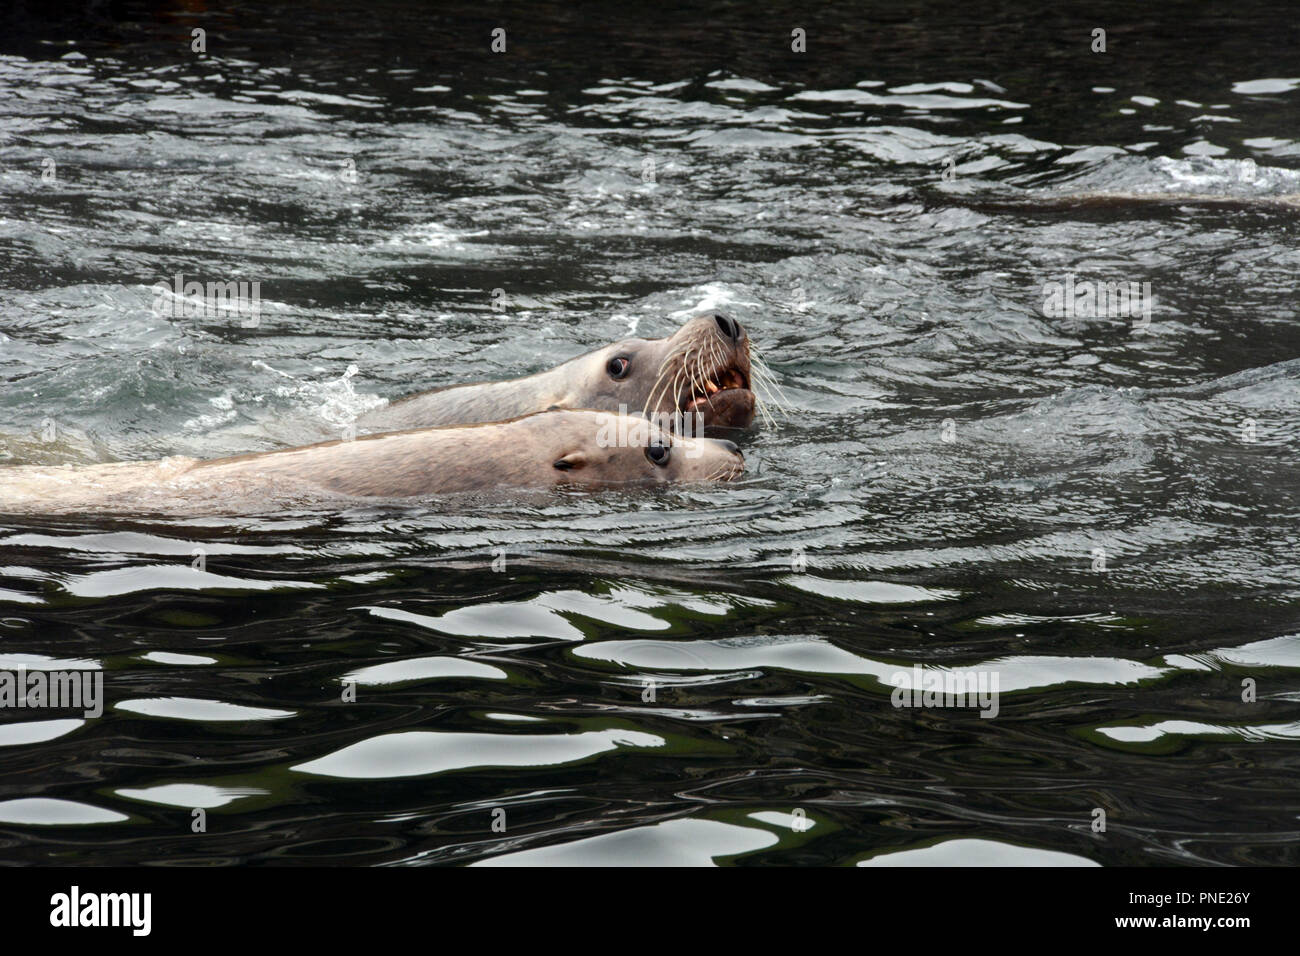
(544, 450)
(703, 369)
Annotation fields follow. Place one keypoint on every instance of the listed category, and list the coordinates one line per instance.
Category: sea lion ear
(574, 459)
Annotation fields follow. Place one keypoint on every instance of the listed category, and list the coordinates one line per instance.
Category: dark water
(953, 472)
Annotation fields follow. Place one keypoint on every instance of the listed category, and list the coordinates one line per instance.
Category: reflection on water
(1099, 512)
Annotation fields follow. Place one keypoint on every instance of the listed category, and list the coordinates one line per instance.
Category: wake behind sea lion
(705, 369)
(1153, 201)
(544, 450)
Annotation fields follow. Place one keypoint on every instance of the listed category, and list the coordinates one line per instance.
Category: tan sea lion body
(575, 448)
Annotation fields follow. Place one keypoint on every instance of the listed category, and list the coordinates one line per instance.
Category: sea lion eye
(618, 367)
(659, 454)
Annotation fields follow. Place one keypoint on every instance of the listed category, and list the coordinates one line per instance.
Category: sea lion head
(601, 448)
(699, 380)
(704, 369)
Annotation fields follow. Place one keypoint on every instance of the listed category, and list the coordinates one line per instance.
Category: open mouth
(727, 380)
(724, 401)
(706, 378)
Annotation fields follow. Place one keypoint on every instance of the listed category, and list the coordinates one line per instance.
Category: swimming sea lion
(703, 369)
(544, 450)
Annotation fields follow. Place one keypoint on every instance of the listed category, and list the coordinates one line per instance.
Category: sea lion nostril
(731, 446)
(730, 327)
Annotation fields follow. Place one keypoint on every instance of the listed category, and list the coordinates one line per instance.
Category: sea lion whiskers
(708, 396)
(694, 370)
(719, 360)
(686, 373)
(762, 398)
(694, 363)
(771, 385)
(726, 473)
(658, 391)
(767, 390)
(652, 398)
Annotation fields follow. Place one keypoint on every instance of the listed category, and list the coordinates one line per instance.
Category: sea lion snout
(709, 459)
(704, 374)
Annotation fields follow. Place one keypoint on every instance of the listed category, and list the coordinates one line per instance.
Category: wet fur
(520, 453)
